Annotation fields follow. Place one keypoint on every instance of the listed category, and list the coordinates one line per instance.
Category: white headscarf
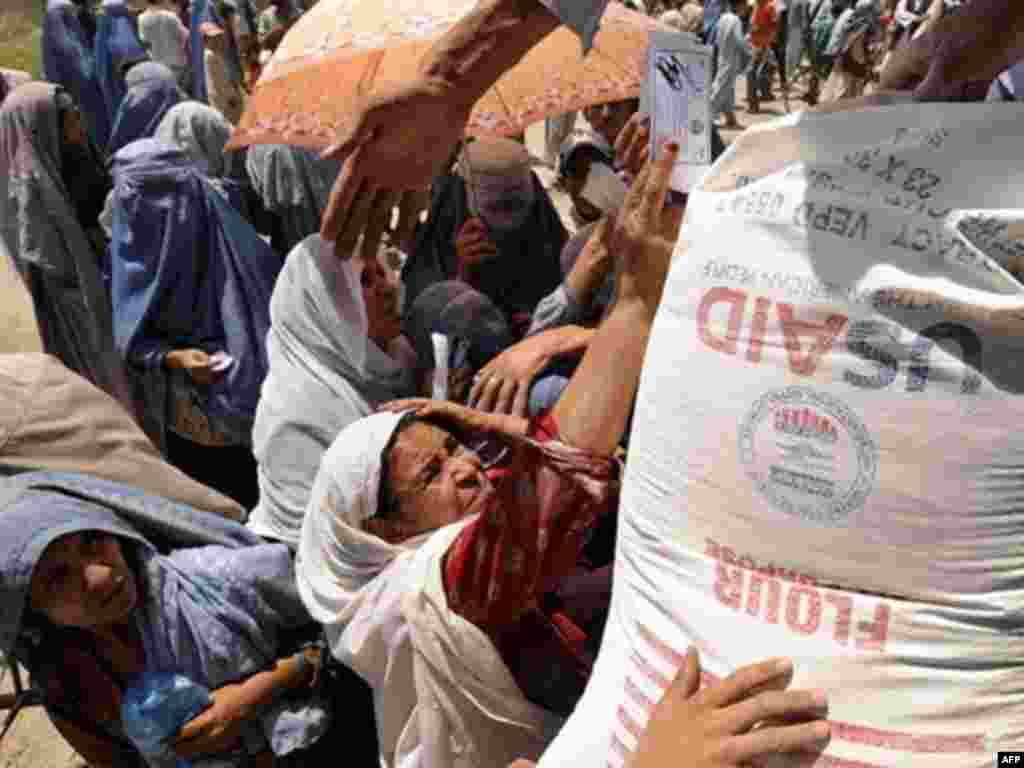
(325, 374)
(336, 557)
(201, 131)
(442, 693)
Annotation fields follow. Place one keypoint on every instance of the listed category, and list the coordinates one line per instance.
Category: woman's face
(435, 480)
(84, 581)
(504, 203)
(381, 297)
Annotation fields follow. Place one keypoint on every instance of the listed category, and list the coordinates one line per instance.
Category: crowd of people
(343, 452)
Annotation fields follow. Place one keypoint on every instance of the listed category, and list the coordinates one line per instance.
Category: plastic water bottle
(154, 709)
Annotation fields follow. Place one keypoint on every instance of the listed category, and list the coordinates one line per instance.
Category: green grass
(20, 31)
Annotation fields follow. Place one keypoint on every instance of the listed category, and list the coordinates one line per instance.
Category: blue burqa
(215, 602)
(69, 62)
(188, 272)
(116, 44)
(152, 89)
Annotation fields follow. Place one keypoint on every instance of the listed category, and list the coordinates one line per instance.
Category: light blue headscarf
(215, 612)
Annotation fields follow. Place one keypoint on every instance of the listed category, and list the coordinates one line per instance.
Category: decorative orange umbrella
(342, 48)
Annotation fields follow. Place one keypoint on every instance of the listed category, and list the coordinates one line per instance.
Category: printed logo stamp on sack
(808, 454)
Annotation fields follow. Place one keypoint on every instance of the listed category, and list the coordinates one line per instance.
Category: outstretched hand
(399, 139)
(644, 232)
(748, 716)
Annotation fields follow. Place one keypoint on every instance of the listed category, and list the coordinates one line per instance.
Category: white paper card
(678, 87)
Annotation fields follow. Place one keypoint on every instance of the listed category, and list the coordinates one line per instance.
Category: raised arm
(400, 137)
(594, 408)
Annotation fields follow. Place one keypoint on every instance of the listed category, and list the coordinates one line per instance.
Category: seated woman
(102, 582)
(453, 581)
(50, 181)
(492, 225)
(191, 286)
(150, 90)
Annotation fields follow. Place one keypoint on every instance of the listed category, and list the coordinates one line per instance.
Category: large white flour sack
(827, 459)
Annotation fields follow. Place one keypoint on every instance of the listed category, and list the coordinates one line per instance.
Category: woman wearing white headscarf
(456, 588)
(328, 368)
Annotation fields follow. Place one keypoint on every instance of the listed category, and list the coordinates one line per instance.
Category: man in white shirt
(166, 38)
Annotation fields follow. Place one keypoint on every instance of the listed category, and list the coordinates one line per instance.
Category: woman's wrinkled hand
(733, 723)
(218, 729)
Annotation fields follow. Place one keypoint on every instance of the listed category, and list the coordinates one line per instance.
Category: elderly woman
(50, 181)
(151, 90)
(191, 293)
(452, 580)
(97, 588)
(492, 225)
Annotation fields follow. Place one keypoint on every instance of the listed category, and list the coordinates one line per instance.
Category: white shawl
(324, 375)
(443, 697)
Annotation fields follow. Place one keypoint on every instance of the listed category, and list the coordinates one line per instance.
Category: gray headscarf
(202, 132)
(294, 184)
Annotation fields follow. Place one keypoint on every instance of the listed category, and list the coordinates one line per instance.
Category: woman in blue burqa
(101, 583)
(52, 185)
(151, 90)
(117, 46)
(191, 285)
(69, 31)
